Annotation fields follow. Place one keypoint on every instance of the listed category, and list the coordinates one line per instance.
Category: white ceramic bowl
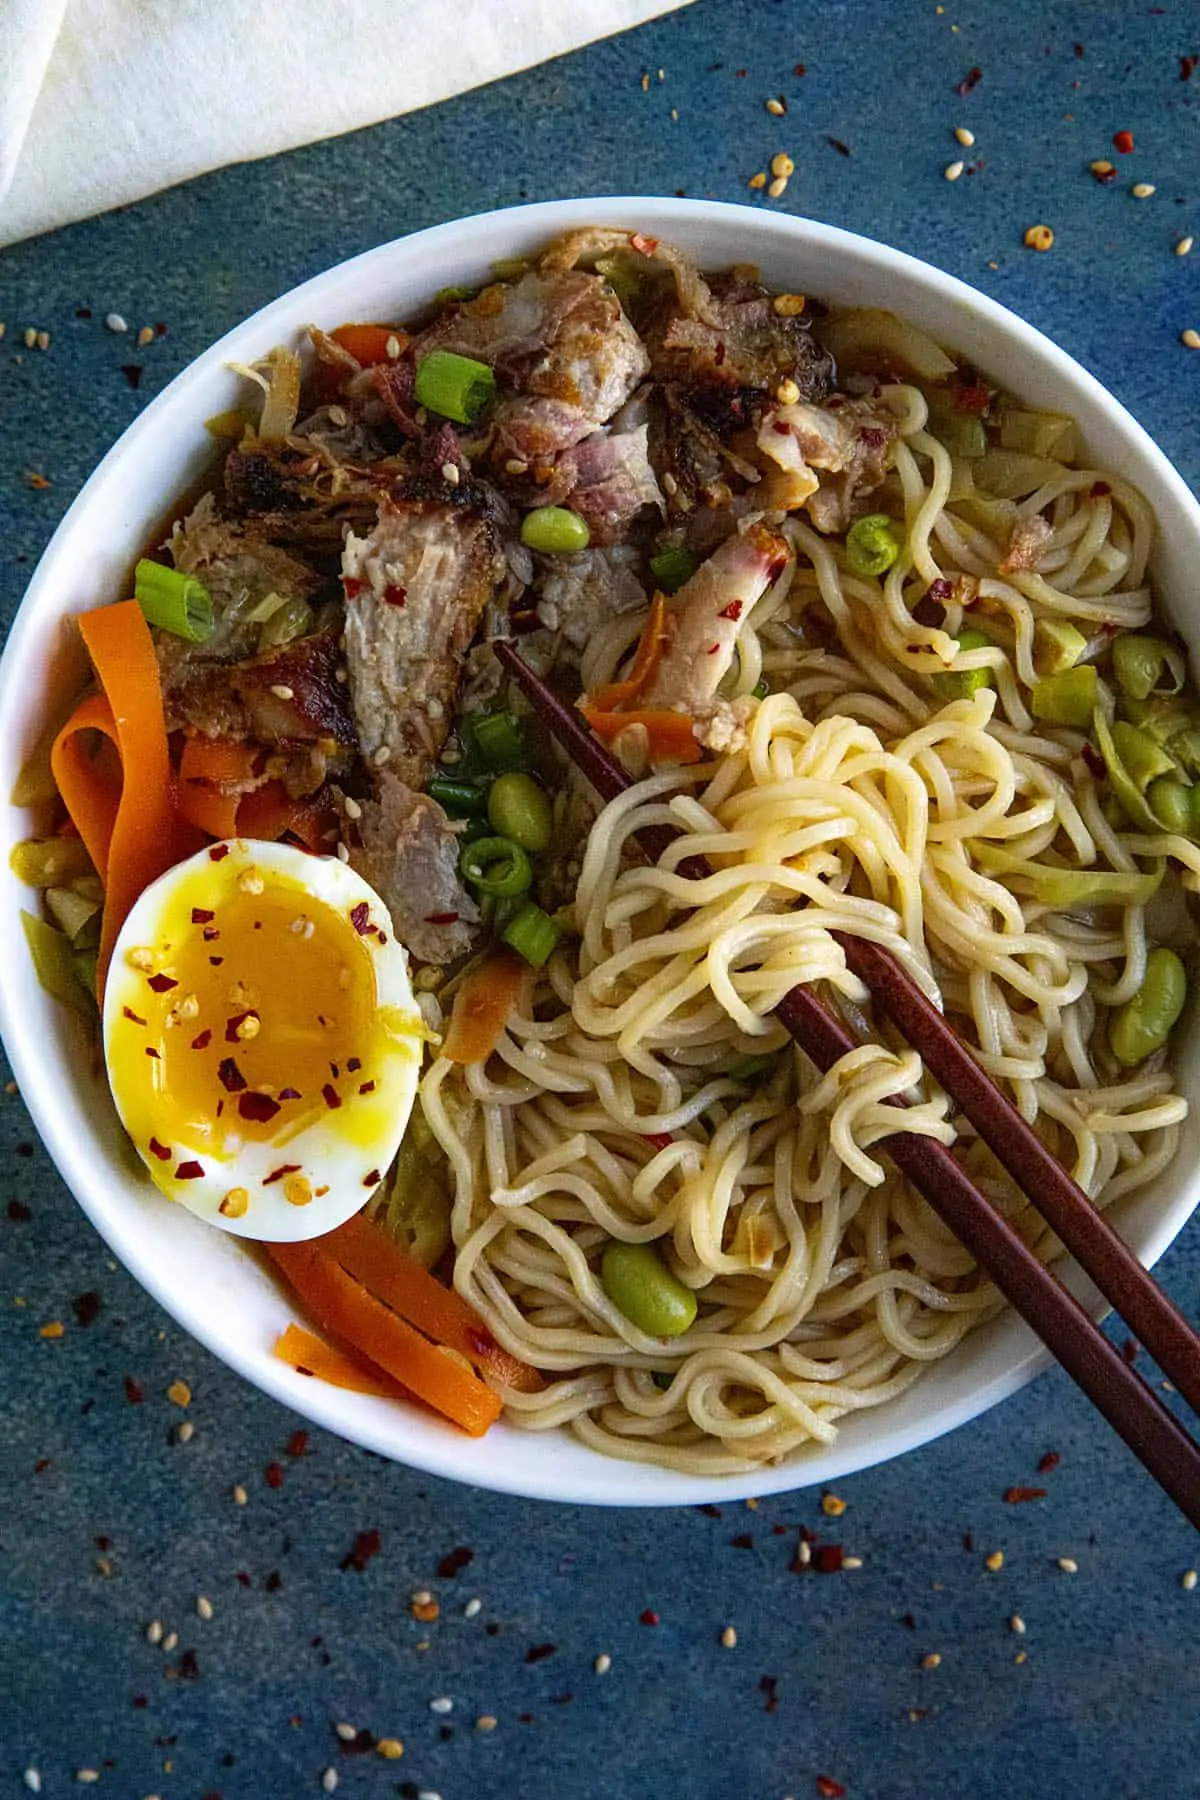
(202, 1276)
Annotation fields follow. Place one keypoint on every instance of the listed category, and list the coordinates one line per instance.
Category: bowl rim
(614, 1482)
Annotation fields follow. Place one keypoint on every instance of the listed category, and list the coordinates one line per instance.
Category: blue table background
(110, 1521)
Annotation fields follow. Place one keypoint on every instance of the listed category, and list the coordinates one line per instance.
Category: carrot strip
(310, 1355)
(482, 1005)
(208, 769)
(386, 1270)
(618, 694)
(670, 733)
(346, 1310)
(90, 796)
(136, 841)
(368, 344)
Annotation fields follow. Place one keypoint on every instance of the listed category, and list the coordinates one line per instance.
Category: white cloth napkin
(105, 101)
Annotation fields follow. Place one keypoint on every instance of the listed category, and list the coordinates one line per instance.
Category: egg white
(332, 1152)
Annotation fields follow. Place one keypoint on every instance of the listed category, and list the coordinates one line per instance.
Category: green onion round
(173, 601)
(496, 866)
(871, 545)
(960, 684)
(532, 933)
(499, 740)
(519, 809)
(672, 568)
(459, 799)
(457, 387)
(555, 530)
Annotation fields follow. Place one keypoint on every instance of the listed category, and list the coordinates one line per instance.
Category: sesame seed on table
(200, 1598)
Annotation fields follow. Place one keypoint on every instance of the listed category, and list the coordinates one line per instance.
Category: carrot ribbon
(618, 694)
(670, 734)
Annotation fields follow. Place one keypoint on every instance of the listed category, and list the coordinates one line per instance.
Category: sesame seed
(473, 1608)
(514, 466)
(1068, 1565)
(758, 180)
(852, 1562)
(347, 1733)
(180, 1393)
(29, 338)
(141, 959)
(1017, 1624)
(965, 137)
(240, 1496)
(485, 1722)
(995, 1560)
(427, 1794)
(932, 1661)
(729, 1638)
(953, 170)
(450, 473)
(43, 340)
(804, 1553)
(787, 393)
(832, 1505)
(1191, 338)
(443, 1705)
(145, 336)
(33, 1781)
(170, 1641)
(788, 306)
(282, 692)
(776, 108)
(250, 882)
(54, 1329)
(1142, 190)
(1184, 246)
(154, 1631)
(343, 853)
(186, 1432)
(351, 807)
(1187, 1580)
(1039, 237)
(87, 1775)
(782, 164)
(602, 1664)
(390, 1749)
(204, 1606)
(382, 755)
(115, 322)
(393, 347)
(777, 187)
(329, 1780)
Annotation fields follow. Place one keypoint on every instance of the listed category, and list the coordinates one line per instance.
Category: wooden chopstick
(1085, 1231)
(1136, 1413)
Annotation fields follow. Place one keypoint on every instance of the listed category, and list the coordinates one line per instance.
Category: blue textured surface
(1104, 1705)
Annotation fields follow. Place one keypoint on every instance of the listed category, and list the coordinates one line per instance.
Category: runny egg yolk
(266, 1022)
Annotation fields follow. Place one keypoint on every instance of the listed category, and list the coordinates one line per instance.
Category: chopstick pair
(1118, 1391)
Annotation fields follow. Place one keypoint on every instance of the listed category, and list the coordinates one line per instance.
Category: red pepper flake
(230, 1076)
(829, 1789)
(394, 594)
(289, 1094)
(86, 1308)
(43, 1463)
(156, 1054)
(649, 1617)
(161, 984)
(133, 1391)
(539, 1652)
(800, 69)
(190, 1171)
(366, 1087)
(743, 1541)
(331, 1096)
(203, 1041)
(18, 1212)
(781, 428)
(1050, 1461)
(662, 1140)
(1079, 51)
(160, 1150)
(201, 915)
(366, 1545)
(1094, 760)
(297, 1444)
(968, 1541)
(837, 144)
(1099, 490)
(709, 1511)
(189, 1670)
(1186, 65)
(140, 1700)
(353, 1065)
(218, 853)
(732, 611)
(127, 1012)
(233, 1034)
(372, 1178)
(1015, 1496)
(645, 246)
(242, 1579)
(441, 918)
(480, 1339)
(454, 1562)
(260, 1108)
(941, 589)
(712, 649)
(273, 1475)
(1123, 141)
(768, 1685)
(210, 934)
(273, 1582)
(351, 587)
(972, 399)
(970, 80)
(719, 352)
(279, 1173)
(827, 1559)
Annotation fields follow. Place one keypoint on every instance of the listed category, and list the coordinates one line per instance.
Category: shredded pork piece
(403, 844)
(707, 614)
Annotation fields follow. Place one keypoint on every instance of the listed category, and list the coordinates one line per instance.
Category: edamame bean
(871, 545)
(519, 809)
(640, 1285)
(1143, 1025)
(555, 530)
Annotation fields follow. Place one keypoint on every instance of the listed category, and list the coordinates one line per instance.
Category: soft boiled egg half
(261, 1038)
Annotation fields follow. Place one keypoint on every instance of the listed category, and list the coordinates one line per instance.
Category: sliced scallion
(173, 601)
(457, 387)
(499, 740)
(54, 965)
(497, 867)
(459, 799)
(532, 933)
(673, 568)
